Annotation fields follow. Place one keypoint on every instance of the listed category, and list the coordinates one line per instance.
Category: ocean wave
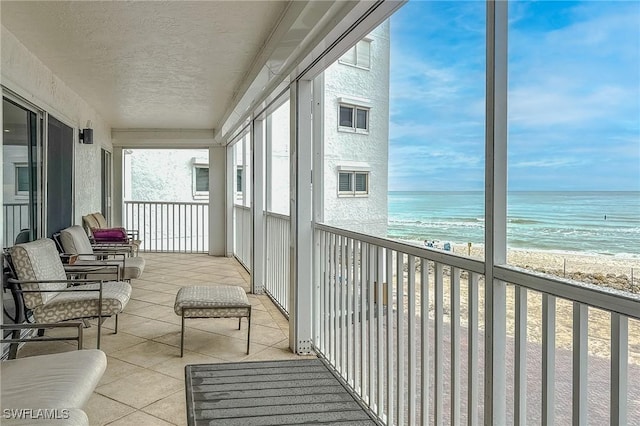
(518, 221)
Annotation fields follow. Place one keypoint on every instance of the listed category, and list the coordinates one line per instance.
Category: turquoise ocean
(581, 222)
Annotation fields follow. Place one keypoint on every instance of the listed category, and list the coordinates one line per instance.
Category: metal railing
(277, 233)
(16, 217)
(412, 344)
(168, 226)
(242, 235)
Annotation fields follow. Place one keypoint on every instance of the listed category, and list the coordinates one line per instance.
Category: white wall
(162, 174)
(364, 214)
(24, 74)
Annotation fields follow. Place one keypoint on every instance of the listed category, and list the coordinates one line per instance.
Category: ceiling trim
(163, 138)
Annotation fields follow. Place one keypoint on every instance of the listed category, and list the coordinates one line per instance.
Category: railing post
(495, 211)
(301, 277)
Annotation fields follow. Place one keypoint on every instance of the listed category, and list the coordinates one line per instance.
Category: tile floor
(144, 380)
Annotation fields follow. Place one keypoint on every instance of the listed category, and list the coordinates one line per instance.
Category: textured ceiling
(156, 64)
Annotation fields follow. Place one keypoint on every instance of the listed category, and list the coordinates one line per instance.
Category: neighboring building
(178, 175)
(355, 104)
(356, 136)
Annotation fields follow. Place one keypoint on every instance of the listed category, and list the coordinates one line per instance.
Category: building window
(200, 181)
(353, 118)
(22, 179)
(353, 183)
(239, 173)
(358, 56)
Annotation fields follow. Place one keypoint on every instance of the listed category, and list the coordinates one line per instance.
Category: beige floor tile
(141, 389)
(174, 367)
(266, 335)
(134, 305)
(172, 408)
(110, 342)
(212, 344)
(160, 312)
(263, 318)
(146, 354)
(102, 410)
(140, 419)
(117, 369)
(150, 328)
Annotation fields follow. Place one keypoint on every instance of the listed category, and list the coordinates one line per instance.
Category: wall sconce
(86, 135)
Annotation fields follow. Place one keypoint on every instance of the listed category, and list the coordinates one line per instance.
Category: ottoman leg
(182, 337)
(248, 330)
(239, 323)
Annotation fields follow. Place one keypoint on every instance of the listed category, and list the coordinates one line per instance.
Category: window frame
(354, 118)
(353, 192)
(18, 192)
(199, 195)
(354, 48)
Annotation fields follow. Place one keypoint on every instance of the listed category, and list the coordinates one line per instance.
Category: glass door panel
(21, 172)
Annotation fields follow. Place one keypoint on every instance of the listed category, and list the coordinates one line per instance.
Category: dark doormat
(293, 392)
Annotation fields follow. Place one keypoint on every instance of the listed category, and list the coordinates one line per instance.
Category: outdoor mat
(270, 393)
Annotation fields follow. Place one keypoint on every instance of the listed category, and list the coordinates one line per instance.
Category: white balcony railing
(16, 217)
(168, 226)
(242, 235)
(278, 230)
(412, 344)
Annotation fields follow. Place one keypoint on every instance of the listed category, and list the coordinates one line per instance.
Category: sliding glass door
(22, 171)
(59, 175)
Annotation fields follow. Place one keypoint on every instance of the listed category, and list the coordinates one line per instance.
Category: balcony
(420, 335)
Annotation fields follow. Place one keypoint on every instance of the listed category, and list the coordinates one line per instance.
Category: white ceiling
(152, 64)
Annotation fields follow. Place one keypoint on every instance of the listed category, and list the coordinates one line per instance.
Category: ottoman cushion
(228, 301)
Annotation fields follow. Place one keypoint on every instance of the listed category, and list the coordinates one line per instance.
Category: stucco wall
(162, 174)
(24, 74)
(365, 214)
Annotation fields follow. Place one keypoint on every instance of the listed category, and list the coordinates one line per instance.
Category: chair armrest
(72, 282)
(95, 267)
(16, 327)
(115, 248)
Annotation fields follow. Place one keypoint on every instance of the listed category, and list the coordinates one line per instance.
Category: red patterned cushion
(110, 235)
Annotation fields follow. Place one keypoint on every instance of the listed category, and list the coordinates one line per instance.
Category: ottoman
(227, 301)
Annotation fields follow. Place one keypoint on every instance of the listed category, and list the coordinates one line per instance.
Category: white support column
(268, 160)
(301, 250)
(318, 148)
(495, 211)
(117, 187)
(230, 189)
(217, 196)
(257, 206)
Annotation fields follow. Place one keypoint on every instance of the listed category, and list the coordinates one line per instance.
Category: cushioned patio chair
(58, 384)
(94, 222)
(75, 241)
(52, 297)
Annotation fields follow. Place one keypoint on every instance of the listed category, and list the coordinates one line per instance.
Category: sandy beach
(610, 271)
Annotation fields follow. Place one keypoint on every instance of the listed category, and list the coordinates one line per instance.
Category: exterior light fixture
(86, 135)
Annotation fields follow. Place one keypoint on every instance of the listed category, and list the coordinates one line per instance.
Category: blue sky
(574, 96)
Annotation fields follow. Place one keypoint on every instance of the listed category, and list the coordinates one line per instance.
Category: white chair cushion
(74, 240)
(64, 380)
